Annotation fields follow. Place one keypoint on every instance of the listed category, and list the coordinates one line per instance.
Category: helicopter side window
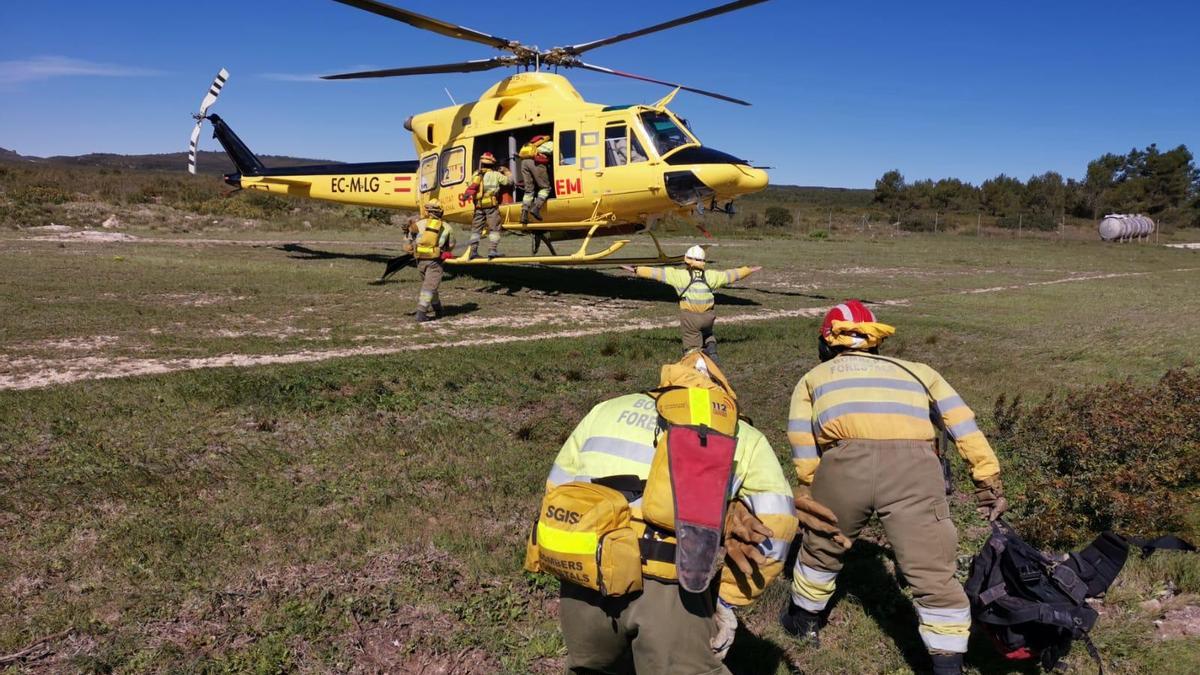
(453, 166)
(664, 134)
(616, 145)
(428, 172)
(566, 148)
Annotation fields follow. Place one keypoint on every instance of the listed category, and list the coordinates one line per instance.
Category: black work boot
(947, 663)
(536, 209)
(437, 309)
(801, 623)
(421, 316)
(524, 214)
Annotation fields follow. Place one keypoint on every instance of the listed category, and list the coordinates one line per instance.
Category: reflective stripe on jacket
(617, 437)
(865, 397)
(490, 182)
(698, 296)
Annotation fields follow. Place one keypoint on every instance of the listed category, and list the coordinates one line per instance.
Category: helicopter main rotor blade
(610, 71)
(428, 23)
(722, 9)
(461, 67)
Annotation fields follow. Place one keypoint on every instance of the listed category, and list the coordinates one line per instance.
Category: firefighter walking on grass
(695, 286)
(862, 429)
(484, 193)
(535, 176)
(625, 599)
(432, 240)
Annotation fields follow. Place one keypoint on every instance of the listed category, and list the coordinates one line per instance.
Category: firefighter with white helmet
(695, 285)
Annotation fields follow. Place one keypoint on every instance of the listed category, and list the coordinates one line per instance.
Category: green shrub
(818, 234)
(777, 216)
(38, 195)
(1119, 456)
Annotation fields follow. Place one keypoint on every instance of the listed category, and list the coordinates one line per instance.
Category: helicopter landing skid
(580, 257)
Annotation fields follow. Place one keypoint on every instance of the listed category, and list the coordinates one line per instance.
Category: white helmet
(694, 256)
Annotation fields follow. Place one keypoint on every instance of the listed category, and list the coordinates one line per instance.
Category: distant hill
(208, 162)
(805, 195)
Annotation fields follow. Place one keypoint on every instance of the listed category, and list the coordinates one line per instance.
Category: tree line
(1162, 185)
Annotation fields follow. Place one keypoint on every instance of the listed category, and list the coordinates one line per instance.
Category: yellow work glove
(815, 517)
(989, 498)
(743, 532)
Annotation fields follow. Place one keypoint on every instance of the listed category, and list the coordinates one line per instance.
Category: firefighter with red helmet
(535, 176)
(484, 193)
(862, 430)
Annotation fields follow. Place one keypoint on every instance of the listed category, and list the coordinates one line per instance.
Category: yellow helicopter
(615, 169)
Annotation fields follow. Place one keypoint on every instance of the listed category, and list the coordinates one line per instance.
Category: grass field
(356, 498)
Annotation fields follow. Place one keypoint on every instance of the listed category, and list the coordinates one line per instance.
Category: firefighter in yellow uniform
(695, 286)
(663, 628)
(861, 427)
(484, 193)
(535, 176)
(432, 240)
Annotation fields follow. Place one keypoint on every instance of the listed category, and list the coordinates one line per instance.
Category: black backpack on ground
(1033, 606)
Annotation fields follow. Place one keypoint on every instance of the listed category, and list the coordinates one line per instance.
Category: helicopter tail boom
(247, 162)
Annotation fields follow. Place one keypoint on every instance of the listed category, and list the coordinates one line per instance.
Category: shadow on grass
(751, 654)
(301, 252)
(513, 279)
(866, 576)
(576, 281)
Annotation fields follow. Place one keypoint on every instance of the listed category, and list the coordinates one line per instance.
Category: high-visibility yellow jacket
(862, 396)
(617, 437)
(488, 183)
(697, 295)
(430, 250)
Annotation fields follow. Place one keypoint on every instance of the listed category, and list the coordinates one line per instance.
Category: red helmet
(850, 310)
(487, 158)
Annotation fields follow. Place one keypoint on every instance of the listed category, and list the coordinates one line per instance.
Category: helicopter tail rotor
(209, 99)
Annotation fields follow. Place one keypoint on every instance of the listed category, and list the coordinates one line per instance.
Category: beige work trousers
(431, 277)
(663, 630)
(534, 179)
(902, 482)
(697, 329)
(488, 217)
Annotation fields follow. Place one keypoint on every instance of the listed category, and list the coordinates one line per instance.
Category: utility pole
(1020, 224)
(978, 232)
(935, 222)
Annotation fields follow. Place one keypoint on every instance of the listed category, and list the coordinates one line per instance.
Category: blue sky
(842, 91)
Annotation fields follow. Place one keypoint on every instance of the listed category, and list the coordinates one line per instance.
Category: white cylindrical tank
(1116, 226)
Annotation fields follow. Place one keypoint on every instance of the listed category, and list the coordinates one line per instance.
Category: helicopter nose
(751, 180)
(731, 180)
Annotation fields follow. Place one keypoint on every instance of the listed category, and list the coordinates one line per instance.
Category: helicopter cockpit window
(636, 152)
(663, 132)
(616, 145)
(566, 148)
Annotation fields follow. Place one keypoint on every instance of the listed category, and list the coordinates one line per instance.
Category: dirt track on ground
(38, 373)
